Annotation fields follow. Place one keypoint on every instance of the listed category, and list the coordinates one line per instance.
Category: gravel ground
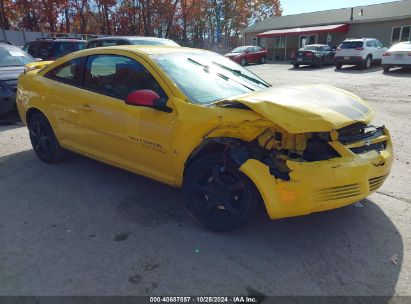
(85, 228)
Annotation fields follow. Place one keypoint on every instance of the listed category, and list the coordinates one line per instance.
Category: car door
(249, 54)
(133, 137)
(61, 88)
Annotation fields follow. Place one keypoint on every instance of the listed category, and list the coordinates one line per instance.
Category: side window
(368, 44)
(257, 49)
(92, 44)
(122, 42)
(44, 49)
(118, 76)
(31, 48)
(66, 72)
(379, 44)
(110, 42)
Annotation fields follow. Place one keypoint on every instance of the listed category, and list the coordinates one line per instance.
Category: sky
(304, 6)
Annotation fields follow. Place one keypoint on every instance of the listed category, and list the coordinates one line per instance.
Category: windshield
(14, 57)
(154, 42)
(62, 48)
(310, 48)
(205, 77)
(351, 44)
(240, 49)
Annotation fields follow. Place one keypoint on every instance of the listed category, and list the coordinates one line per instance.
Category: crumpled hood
(314, 108)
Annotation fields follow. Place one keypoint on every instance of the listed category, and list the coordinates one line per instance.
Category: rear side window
(118, 76)
(63, 48)
(92, 44)
(351, 44)
(44, 49)
(31, 48)
(108, 42)
(66, 72)
(371, 43)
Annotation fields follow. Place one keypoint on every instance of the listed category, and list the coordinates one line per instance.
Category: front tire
(243, 62)
(263, 60)
(338, 66)
(386, 69)
(43, 139)
(296, 65)
(217, 194)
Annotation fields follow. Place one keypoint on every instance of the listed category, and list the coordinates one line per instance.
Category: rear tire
(263, 60)
(368, 62)
(43, 140)
(386, 69)
(243, 62)
(217, 194)
(338, 66)
(296, 65)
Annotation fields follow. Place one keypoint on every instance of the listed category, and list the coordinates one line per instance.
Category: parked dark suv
(12, 61)
(53, 48)
(314, 55)
(127, 40)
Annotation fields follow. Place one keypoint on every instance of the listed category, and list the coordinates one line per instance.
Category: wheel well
(207, 147)
(30, 114)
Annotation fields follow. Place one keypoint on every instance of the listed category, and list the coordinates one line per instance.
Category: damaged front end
(302, 173)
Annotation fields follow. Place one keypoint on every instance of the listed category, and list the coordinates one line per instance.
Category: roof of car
(319, 45)
(59, 40)
(359, 39)
(138, 49)
(128, 38)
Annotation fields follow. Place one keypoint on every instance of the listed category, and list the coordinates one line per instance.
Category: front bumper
(320, 185)
(7, 100)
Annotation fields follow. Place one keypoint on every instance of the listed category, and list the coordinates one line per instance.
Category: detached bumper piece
(364, 163)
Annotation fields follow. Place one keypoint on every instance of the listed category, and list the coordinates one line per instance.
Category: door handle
(85, 107)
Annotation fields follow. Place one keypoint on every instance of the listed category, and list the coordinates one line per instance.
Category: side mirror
(147, 98)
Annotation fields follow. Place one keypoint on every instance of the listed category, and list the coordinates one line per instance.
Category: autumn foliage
(201, 23)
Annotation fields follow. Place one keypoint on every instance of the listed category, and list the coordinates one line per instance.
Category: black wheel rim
(41, 139)
(219, 194)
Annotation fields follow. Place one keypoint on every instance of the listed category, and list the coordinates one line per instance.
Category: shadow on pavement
(399, 72)
(359, 70)
(340, 252)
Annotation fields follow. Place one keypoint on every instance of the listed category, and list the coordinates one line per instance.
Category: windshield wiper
(238, 72)
(207, 69)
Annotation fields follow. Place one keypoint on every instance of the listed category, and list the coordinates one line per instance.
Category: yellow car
(193, 119)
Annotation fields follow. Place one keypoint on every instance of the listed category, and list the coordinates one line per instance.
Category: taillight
(359, 49)
(386, 54)
(338, 49)
(309, 54)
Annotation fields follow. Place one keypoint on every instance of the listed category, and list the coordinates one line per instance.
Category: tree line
(200, 23)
